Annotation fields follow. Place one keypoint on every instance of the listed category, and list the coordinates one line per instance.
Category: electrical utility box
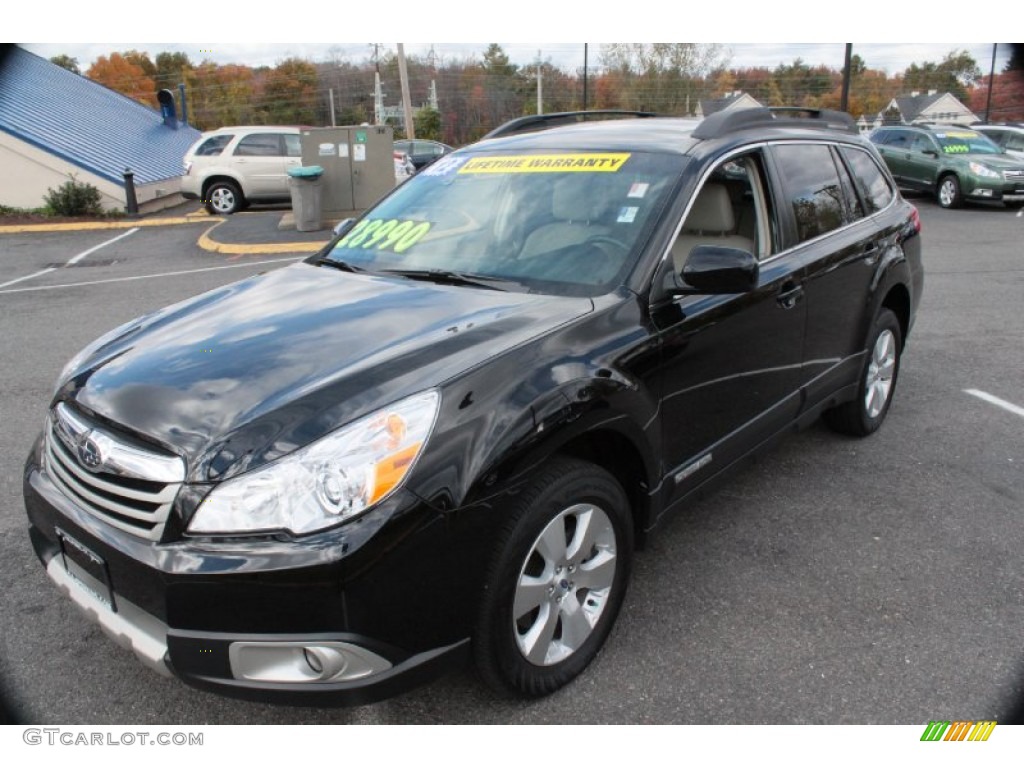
(358, 163)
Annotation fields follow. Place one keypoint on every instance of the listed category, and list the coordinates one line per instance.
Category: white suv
(231, 167)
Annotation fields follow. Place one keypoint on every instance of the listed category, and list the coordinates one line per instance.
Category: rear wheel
(223, 198)
(557, 581)
(865, 414)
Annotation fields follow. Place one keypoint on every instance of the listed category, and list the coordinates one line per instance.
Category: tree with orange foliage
(121, 74)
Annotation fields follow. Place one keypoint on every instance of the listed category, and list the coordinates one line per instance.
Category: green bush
(73, 198)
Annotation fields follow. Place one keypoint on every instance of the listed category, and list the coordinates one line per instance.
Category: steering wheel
(608, 245)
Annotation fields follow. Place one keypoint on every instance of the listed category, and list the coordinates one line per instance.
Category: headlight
(327, 482)
(983, 170)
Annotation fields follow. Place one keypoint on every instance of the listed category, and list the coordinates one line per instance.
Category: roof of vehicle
(671, 135)
(254, 129)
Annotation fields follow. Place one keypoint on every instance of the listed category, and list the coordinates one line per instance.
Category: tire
(948, 193)
(223, 198)
(865, 414)
(557, 580)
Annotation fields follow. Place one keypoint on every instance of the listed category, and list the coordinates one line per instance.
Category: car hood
(247, 373)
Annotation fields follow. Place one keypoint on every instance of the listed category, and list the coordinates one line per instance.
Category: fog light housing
(982, 193)
(312, 661)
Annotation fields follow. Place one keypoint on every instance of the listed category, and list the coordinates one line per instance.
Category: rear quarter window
(871, 183)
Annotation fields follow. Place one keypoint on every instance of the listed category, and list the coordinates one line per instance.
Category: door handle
(790, 294)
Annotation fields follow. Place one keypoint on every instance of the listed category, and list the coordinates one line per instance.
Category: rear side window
(812, 188)
(293, 145)
(871, 183)
(260, 145)
(213, 145)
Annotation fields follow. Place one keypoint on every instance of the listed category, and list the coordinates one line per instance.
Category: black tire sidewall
(562, 483)
(233, 188)
(886, 320)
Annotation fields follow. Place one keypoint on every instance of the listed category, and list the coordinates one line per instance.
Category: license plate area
(87, 568)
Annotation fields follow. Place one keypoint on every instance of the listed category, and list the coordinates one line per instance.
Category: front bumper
(288, 622)
(978, 188)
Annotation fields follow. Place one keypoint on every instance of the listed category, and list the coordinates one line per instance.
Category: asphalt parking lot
(834, 581)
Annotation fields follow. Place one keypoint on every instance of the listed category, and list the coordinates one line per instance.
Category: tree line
(478, 93)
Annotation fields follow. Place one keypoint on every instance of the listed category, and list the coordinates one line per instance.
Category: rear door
(261, 162)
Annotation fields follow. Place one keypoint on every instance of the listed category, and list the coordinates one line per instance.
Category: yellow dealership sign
(591, 162)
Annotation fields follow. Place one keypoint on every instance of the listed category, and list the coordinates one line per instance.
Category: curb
(76, 226)
(207, 243)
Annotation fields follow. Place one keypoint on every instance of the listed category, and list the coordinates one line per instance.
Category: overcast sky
(891, 57)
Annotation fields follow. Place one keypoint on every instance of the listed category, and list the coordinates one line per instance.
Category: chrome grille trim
(1010, 175)
(127, 500)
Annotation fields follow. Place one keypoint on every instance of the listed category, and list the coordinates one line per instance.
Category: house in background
(54, 123)
(733, 100)
(932, 107)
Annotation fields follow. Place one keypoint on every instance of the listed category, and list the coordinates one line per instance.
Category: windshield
(964, 142)
(568, 223)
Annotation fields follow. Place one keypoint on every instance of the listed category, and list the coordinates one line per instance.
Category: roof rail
(531, 123)
(728, 121)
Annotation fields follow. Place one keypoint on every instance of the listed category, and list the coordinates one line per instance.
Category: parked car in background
(441, 436)
(231, 167)
(421, 151)
(1009, 136)
(951, 162)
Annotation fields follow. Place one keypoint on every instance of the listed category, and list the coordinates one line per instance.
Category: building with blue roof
(54, 122)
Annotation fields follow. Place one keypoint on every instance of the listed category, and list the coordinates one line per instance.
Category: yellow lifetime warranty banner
(590, 162)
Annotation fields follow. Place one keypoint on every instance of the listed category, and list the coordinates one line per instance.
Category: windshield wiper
(344, 266)
(448, 277)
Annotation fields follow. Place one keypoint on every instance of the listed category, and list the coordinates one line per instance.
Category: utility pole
(540, 87)
(410, 128)
(584, 77)
(991, 80)
(844, 100)
(334, 122)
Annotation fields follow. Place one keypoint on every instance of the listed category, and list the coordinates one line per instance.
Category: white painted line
(83, 254)
(73, 260)
(146, 277)
(27, 277)
(1016, 409)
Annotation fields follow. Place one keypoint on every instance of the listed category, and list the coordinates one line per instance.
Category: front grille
(1016, 175)
(128, 486)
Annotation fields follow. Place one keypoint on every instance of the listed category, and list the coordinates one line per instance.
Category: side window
(292, 145)
(924, 143)
(854, 206)
(259, 145)
(812, 188)
(870, 181)
(881, 136)
(731, 209)
(900, 139)
(214, 145)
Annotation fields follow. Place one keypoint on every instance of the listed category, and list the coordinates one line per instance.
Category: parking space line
(72, 261)
(1015, 409)
(145, 277)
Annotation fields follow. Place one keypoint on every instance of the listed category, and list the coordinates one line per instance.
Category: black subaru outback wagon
(444, 435)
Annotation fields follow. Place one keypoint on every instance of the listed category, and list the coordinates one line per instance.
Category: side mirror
(718, 269)
(930, 153)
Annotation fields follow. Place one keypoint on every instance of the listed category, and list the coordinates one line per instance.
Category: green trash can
(305, 184)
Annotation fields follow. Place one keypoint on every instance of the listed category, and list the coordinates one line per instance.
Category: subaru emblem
(89, 454)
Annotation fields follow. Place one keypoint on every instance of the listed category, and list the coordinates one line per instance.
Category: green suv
(951, 162)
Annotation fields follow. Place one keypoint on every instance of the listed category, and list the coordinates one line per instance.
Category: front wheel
(949, 192)
(865, 414)
(557, 581)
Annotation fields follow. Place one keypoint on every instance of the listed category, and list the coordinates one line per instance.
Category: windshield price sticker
(956, 149)
(385, 235)
(591, 162)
